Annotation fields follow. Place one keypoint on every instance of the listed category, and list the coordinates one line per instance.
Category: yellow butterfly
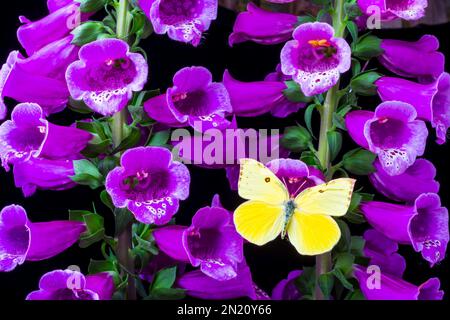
(306, 219)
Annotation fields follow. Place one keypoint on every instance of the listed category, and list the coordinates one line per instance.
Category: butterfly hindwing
(259, 222)
(313, 234)
(257, 182)
(332, 198)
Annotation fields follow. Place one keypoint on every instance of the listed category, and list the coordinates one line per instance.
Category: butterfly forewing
(257, 182)
(332, 198)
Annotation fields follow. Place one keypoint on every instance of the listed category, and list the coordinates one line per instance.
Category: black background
(246, 62)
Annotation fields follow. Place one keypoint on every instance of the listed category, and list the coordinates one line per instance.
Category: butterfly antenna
(301, 186)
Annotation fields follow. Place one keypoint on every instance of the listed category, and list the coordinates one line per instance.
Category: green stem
(125, 239)
(324, 261)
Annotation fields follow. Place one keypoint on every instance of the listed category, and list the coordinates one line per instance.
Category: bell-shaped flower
(418, 59)
(29, 135)
(397, 9)
(394, 288)
(211, 243)
(106, 75)
(315, 58)
(57, 25)
(34, 80)
(250, 99)
(73, 285)
(421, 175)
(22, 240)
(54, 5)
(382, 252)
(432, 101)
(149, 183)
(193, 99)
(424, 225)
(262, 26)
(287, 289)
(392, 132)
(182, 20)
(43, 174)
(199, 285)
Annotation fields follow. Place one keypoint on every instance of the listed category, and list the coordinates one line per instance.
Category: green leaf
(352, 10)
(123, 217)
(87, 32)
(335, 143)
(364, 83)
(159, 138)
(306, 282)
(339, 121)
(310, 159)
(345, 241)
(294, 94)
(95, 230)
(308, 118)
(356, 67)
(164, 279)
(355, 295)
(368, 47)
(357, 246)
(86, 173)
(132, 137)
(107, 164)
(342, 279)
(296, 139)
(78, 106)
(91, 5)
(167, 294)
(97, 147)
(359, 162)
(344, 262)
(304, 19)
(106, 200)
(326, 283)
(353, 29)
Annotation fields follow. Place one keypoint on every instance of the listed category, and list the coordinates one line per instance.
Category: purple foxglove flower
(396, 9)
(194, 98)
(28, 85)
(182, 20)
(211, 242)
(392, 132)
(54, 5)
(421, 175)
(149, 184)
(262, 26)
(394, 288)
(29, 135)
(418, 59)
(432, 101)
(106, 75)
(250, 99)
(52, 60)
(73, 285)
(286, 289)
(22, 240)
(58, 24)
(315, 59)
(102, 284)
(423, 225)
(199, 285)
(43, 174)
(382, 252)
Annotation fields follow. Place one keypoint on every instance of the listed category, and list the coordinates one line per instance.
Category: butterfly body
(289, 210)
(306, 218)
